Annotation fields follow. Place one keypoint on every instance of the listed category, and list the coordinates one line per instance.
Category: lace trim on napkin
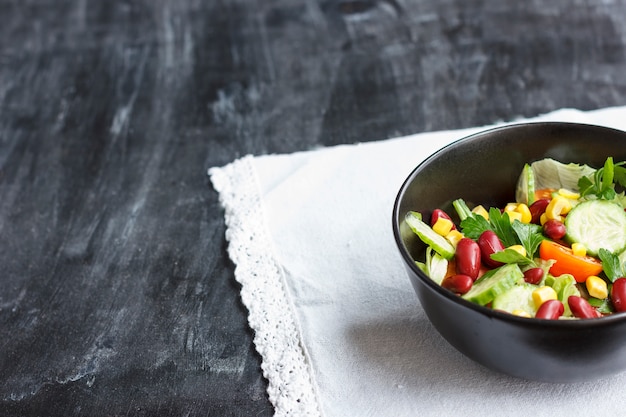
(270, 312)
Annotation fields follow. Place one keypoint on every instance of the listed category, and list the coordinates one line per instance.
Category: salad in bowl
(557, 252)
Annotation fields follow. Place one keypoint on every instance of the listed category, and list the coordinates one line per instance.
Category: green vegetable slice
(435, 266)
(597, 224)
(549, 173)
(518, 297)
(525, 192)
(494, 283)
(429, 236)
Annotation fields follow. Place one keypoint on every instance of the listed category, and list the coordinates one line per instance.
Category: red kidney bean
(437, 214)
(551, 310)
(554, 229)
(533, 275)
(581, 308)
(459, 283)
(467, 258)
(489, 243)
(537, 209)
(618, 294)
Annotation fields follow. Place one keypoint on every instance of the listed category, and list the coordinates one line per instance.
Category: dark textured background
(116, 294)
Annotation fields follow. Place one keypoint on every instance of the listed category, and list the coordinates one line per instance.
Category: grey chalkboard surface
(116, 293)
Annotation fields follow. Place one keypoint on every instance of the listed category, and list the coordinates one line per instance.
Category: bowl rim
(504, 316)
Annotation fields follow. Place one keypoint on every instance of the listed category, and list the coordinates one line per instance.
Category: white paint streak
(122, 115)
(120, 119)
(188, 47)
(168, 39)
(224, 107)
(13, 304)
(131, 220)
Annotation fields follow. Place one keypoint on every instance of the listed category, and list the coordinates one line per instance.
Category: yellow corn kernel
(518, 211)
(510, 207)
(514, 215)
(579, 249)
(543, 294)
(520, 313)
(480, 210)
(525, 212)
(558, 207)
(569, 194)
(519, 249)
(454, 236)
(597, 287)
(442, 226)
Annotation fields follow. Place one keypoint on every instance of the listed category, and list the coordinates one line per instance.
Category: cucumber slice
(518, 297)
(494, 283)
(435, 266)
(597, 224)
(525, 192)
(428, 235)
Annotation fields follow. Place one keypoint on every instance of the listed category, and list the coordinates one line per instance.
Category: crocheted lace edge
(271, 313)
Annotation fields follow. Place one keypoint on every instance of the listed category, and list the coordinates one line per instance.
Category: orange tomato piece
(580, 267)
(544, 193)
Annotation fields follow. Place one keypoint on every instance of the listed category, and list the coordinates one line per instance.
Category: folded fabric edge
(271, 314)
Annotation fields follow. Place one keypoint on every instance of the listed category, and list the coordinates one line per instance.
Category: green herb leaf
(510, 256)
(530, 236)
(603, 306)
(603, 186)
(607, 174)
(501, 225)
(611, 264)
(620, 174)
(474, 226)
(585, 186)
(607, 194)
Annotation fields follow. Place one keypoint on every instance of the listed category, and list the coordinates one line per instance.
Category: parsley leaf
(474, 226)
(502, 226)
(602, 184)
(530, 236)
(509, 233)
(620, 174)
(585, 186)
(510, 256)
(603, 306)
(611, 264)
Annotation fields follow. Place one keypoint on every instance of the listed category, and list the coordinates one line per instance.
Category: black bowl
(483, 169)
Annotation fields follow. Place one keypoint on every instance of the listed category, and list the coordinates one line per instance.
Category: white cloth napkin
(339, 328)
